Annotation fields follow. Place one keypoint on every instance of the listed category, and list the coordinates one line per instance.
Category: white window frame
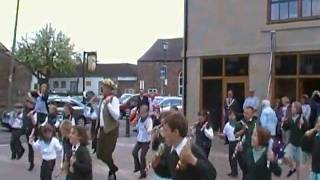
(129, 91)
(64, 86)
(141, 84)
(55, 83)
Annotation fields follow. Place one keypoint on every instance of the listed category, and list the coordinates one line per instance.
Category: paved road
(16, 170)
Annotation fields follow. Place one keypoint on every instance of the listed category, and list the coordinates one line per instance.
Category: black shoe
(143, 176)
(13, 156)
(20, 154)
(31, 167)
(136, 170)
(291, 172)
(232, 175)
(112, 176)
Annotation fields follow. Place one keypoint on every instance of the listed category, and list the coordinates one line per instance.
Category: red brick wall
(123, 85)
(150, 73)
(21, 81)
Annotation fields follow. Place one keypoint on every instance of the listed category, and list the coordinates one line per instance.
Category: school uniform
(48, 150)
(293, 149)
(162, 170)
(256, 165)
(228, 131)
(27, 128)
(66, 155)
(144, 128)
(41, 106)
(204, 136)
(69, 117)
(16, 123)
(203, 170)
(311, 145)
(82, 167)
(246, 141)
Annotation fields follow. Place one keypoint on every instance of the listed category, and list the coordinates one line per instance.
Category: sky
(120, 31)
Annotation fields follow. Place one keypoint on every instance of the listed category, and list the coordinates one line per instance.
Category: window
(152, 90)
(180, 84)
(88, 83)
(286, 65)
(63, 84)
(129, 91)
(141, 84)
(212, 67)
(56, 84)
(283, 10)
(310, 64)
(236, 66)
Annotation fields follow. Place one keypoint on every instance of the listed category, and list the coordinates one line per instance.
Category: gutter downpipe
(185, 45)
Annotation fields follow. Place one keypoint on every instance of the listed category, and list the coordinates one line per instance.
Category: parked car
(77, 106)
(6, 116)
(124, 97)
(168, 102)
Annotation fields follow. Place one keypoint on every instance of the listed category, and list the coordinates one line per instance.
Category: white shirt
(144, 130)
(228, 131)
(113, 107)
(180, 146)
(48, 151)
(306, 111)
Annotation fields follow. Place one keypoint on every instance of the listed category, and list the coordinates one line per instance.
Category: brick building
(22, 79)
(166, 54)
(125, 75)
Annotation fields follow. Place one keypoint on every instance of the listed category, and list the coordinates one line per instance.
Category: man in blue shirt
(252, 101)
(268, 118)
(41, 98)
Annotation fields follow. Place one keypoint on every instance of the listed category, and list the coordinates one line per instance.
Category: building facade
(229, 47)
(22, 80)
(125, 75)
(160, 68)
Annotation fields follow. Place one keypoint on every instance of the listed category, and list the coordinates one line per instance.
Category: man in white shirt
(252, 101)
(108, 126)
(144, 127)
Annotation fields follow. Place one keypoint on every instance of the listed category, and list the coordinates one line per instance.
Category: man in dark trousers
(186, 161)
(108, 126)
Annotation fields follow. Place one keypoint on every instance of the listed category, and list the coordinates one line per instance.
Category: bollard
(127, 125)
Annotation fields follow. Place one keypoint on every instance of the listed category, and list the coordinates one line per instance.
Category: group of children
(50, 138)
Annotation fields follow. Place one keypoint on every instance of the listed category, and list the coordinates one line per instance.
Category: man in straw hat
(108, 126)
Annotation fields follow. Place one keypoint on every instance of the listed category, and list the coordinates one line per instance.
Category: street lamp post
(13, 51)
(89, 64)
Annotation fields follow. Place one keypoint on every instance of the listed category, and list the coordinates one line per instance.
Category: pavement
(17, 169)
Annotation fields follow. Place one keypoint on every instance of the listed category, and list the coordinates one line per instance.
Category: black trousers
(93, 134)
(233, 161)
(41, 117)
(15, 143)
(140, 164)
(47, 169)
(27, 133)
(242, 163)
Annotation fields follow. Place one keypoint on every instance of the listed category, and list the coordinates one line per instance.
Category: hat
(109, 83)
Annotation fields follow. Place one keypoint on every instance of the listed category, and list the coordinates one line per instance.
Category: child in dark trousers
(228, 131)
(311, 145)
(80, 161)
(48, 146)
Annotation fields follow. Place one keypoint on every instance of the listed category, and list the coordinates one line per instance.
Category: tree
(46, 53)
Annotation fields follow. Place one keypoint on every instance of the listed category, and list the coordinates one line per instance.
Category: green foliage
(47, 52)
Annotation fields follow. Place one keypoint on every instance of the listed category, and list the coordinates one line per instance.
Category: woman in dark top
(203, 132)
(80, 161)
(311, 145)
(260, 162)
(297, 125)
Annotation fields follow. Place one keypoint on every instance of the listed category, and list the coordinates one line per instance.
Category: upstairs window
(290, 10)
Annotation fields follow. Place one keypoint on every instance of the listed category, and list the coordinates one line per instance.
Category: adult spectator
(306, 109)
(252, 101)
(315, 108)
(268, 118)
(142, 100)
(230, 103)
